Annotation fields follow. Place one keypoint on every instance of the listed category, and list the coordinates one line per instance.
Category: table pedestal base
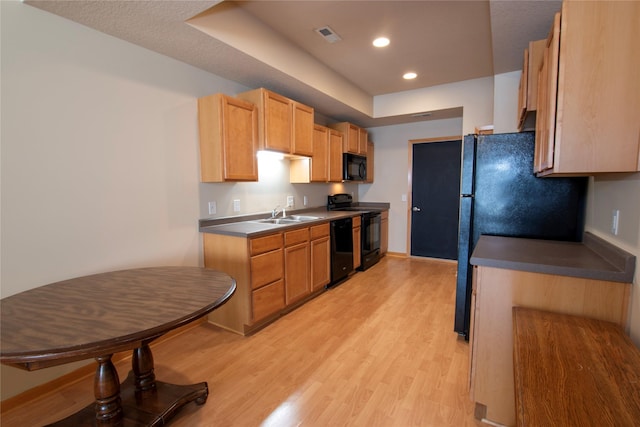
(152, 408)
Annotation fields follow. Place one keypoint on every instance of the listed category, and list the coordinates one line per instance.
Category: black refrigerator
(501, 196)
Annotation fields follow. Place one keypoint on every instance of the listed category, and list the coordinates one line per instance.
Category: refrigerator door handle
(466, 195)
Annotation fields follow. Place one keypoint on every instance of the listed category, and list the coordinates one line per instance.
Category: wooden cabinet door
(303, 128)
(320, 158)
(240, 140)
(522, 90)
(351, 139)
(357, 248)
(277, 122)
(228, 139)
(266, 268)
(267, 300)
(335, 156)
(547, 96)
(528, 89)
(296, 277)
(591, 122)
(320, 262)
(384, 232)
(363, 138)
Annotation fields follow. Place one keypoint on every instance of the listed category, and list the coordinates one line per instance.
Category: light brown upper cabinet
(284, 125)
(316, 169)
(595, 127)
(363, 140)
(320, 160)
(528, 90)
(228, 139)
(355, 138)
(302, 144)
(336, 143)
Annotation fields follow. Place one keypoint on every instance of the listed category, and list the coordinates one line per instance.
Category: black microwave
(354, 167)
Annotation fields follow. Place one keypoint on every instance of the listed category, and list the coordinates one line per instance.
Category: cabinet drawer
(318, 231)
(356, 221)
(266, 268)
(296, 236)
(267, 300)
(265, 244)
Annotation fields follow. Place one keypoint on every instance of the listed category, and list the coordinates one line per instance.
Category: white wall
(475, 96)
(100, 163)
(621, 192)
(392, 142)
(271, 190)
(391, 176)
(99, 157)
(505, 105)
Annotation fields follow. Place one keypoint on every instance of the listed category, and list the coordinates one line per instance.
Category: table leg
(106, 389)
(139, 401)
(142, 365)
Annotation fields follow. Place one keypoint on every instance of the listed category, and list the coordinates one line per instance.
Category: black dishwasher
(341, 249)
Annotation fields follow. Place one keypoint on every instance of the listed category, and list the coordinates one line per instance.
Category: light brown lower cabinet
(356, 226)
(267, 300)
(273, 273)
(495, 292)
(384, 232)
(320, 256)
(296, 265)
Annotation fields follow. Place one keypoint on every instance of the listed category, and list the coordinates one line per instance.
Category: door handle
(416, 209)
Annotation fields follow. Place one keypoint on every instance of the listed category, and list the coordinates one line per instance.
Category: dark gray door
(435, 199)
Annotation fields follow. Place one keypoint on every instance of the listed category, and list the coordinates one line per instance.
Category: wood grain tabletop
(104, 313)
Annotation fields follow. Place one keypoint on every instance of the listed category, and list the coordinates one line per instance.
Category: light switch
(236, 205)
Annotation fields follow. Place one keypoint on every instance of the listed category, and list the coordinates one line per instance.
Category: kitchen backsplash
(270, 191)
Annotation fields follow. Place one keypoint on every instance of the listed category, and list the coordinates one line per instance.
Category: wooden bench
(573, 371)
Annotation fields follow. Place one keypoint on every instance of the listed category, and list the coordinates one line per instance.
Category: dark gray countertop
(593, 258)
(243, 227)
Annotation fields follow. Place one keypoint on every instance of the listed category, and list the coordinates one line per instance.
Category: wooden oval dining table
(102, 314)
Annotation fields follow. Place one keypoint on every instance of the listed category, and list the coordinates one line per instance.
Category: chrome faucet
(275, 212)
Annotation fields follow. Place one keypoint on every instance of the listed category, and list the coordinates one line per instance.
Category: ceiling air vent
(328, 34)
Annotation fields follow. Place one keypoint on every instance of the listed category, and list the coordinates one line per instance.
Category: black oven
(369, 231)
(370, 239)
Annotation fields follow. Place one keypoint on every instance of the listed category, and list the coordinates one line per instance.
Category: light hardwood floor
(378, 350)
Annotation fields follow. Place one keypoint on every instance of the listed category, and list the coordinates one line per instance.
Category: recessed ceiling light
(381, 42)
(409, 76)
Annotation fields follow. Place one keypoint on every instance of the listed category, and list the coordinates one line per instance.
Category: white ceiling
(443, 41)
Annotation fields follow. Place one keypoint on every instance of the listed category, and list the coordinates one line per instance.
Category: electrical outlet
(305, 201)
(615, 221)
(289, 201)
(212, 207)
(236, 205)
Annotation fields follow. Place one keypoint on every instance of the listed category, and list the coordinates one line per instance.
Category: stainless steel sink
(279, 221)
(305, 217)
(293, 219)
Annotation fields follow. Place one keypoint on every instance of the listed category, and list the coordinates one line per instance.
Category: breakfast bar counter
(593, 258)
(591, 279)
